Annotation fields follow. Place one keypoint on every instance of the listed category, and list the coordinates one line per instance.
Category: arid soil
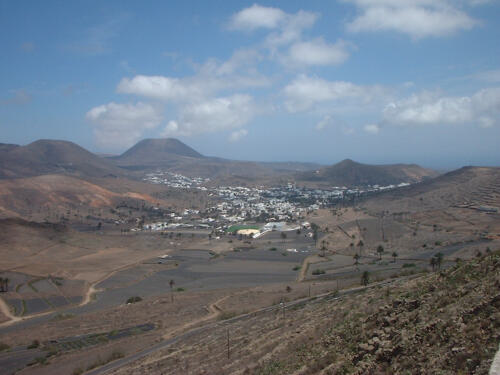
(445, 322)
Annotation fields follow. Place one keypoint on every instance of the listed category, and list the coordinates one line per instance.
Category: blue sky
(378, 81)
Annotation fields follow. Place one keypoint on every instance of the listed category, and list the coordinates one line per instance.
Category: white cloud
(286, 27)
(482, 108)
(318, 52)
(291, 29)
(324, 122)
(417, 18)
(160, 87)
(213, 115)
(256, 17)
(304, 92)
(238, 135)
(121, 125)
(235, 73)
(372, 128)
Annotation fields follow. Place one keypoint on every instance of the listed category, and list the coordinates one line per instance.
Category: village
(280, 208)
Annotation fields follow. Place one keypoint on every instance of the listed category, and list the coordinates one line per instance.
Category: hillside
(154, 152)
(467, 187)
(444, 322)
(54, 194)
(351, 173)
(52, 156)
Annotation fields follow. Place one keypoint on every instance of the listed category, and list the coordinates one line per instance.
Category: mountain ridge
(351, 173)
(46, 156)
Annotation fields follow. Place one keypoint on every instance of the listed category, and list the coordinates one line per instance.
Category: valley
(176, 252)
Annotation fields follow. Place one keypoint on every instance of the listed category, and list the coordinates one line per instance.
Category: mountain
(52, 157)
(174, 156)
(467, 187)
(351, 173)
(155, 152)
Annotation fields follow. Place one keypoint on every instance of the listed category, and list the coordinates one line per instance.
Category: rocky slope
(444, 322)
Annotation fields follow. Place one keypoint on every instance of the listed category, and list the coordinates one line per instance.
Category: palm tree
(323, 247)
(171, 283)
(439, 260)
(394, 255)
(380, 250)
(356, 259)
(433, 263)
(360, 245)
(365, 278)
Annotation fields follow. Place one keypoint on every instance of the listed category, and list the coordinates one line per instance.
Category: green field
(235, 228)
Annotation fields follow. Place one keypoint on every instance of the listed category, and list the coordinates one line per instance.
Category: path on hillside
(213, 312)
(4, 308)
(172, 340)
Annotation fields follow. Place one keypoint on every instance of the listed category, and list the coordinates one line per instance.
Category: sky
(377, 81)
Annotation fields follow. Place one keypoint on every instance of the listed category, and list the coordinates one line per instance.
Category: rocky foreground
(445, 322)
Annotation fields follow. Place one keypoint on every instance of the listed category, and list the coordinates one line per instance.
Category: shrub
(34, 344)
(409, 265)
(296, 268)
(318, 272)
(225, 315)
(273, 249)
(134, 299)
(3, 346)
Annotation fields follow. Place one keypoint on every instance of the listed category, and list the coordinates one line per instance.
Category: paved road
(326, 296)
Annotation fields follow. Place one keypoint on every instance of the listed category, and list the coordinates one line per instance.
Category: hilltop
(52, 156)
(175, 156)
(466, 187)
(351, 173)
(154, 152)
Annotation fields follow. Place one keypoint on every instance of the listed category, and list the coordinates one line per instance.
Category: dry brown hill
(19, 197)
(351, 173)
(50, 157)
(468, 187)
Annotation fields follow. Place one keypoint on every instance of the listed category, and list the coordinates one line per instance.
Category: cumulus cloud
(291, 30)
(256, 17)
(304, 92)
(324, 122)
(212, 115)
(164, 88)
(372, 128)
(427, 108)
(417, 18)
(237, 135)
(285, 27)
(213, 76)
(318, 52)
(121, 125)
